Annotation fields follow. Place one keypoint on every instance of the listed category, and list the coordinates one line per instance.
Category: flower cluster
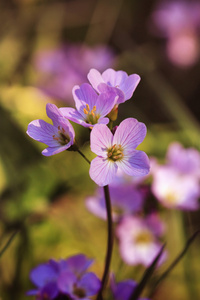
(93, 106)
(64, 279)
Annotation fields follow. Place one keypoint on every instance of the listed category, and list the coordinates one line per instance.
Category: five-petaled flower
(118, 151)
(91, 108)
(118, 81)
(58, 137)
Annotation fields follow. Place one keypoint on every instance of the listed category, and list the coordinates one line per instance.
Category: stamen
(85, 111)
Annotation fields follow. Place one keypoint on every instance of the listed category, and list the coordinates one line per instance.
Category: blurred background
(46, 48)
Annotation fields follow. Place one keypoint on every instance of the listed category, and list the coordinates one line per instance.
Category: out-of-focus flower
(138, 239)
(58, 137)
(65, 277)
(123, 290)
(176, 184)
(126, 199)
(63, 68)
(90, 107)
(118, 151)
(179, 22)
(186, 161)
(119, 81)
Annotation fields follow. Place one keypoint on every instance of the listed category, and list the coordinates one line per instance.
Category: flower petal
(136, 165)
(129, 85)
(114, 78)
(78, 264)
(55, 150)
(83, 95)
(102, 171)
(95, 78)
(53, 113)
(100, 139)
(90, 283)
(43, 132)
(105, 103)
(130, 133)
(43, 274)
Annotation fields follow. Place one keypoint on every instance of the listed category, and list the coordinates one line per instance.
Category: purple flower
(125, 200)
(138, 240)
(123, 290)
(58, 137)
(65, 277)
(118, 151)
(176, 184)
(60, 69)
(186, 161)
(90, 107)
(119, 81)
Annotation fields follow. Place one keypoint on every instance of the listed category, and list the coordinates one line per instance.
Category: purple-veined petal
(95, 78)
(42, 275)
(55, 150)
(78, 264)
(119, 98)
(66, 281)
(100, 139)
(83, 95)
(102, 171)
(135, 165)
(53, 113)
(43, 132)
(129, 85)
(50, 290)
(114, 78)
(74, 116)
(105, 103)
(90, 283)
(130, 133)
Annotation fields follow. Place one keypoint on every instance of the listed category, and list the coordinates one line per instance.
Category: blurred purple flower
(176, 184)
(58, 137)
(63, 68)
(123, 289)
(126, 199)
(119, 81)
(138, 239)
(65, 277)
(118, 151)
(91, 108)
(179, 22)
(186, 161)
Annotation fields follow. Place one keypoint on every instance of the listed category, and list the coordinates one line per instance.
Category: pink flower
(119, 81)
(176, 184)
(58, 137)
(118, 151)
(138, 239)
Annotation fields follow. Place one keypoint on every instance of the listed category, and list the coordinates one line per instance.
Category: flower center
(115, 152)
(91, 115)
(80, 292)
(170, 198)
(63, 138)
(144, 237)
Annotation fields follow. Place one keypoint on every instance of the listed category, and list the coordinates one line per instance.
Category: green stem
(109, 242)
(8, 243)
(83, 155)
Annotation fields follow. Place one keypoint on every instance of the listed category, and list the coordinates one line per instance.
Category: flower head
(138, 240)
(91, 108)
(66, 277)
(119, 81)
(176, 183)
(118, 151)
(58, 137)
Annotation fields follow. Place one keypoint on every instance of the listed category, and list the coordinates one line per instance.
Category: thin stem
(109, 242)
(83, 155)
(8, 243)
